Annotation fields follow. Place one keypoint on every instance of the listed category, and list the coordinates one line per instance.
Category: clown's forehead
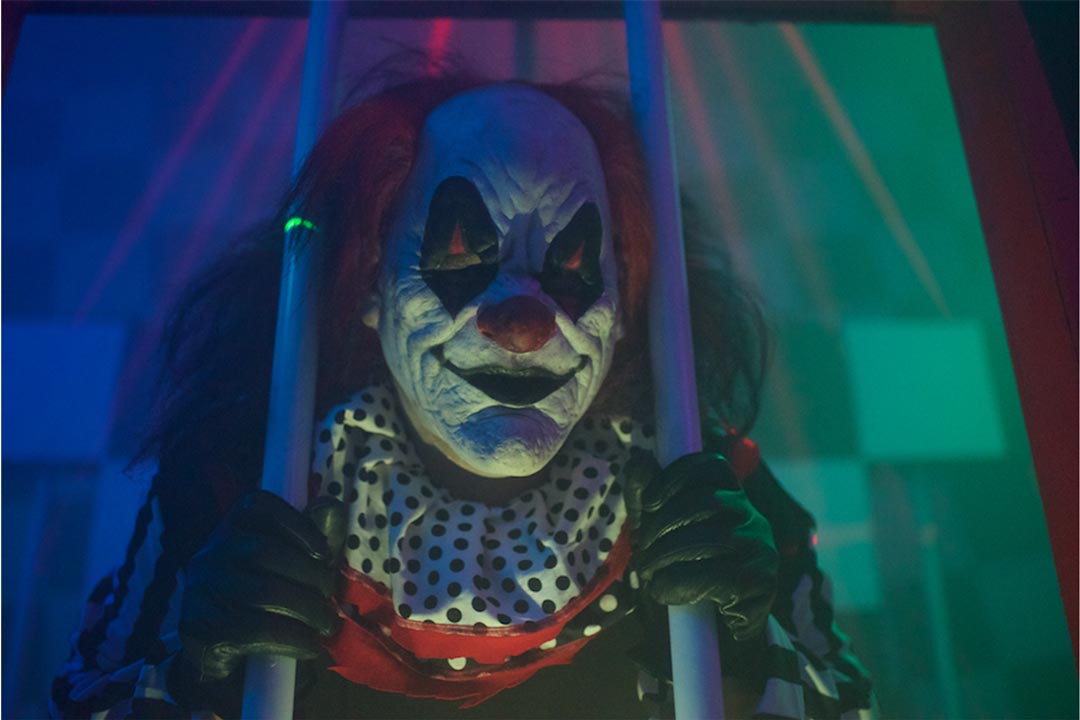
(524, 151)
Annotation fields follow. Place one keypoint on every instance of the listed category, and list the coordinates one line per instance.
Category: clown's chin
(508, 442)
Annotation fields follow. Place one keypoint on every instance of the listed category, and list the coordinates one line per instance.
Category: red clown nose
(520, 324)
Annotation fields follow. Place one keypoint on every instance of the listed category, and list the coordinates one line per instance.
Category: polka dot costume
(462, 563)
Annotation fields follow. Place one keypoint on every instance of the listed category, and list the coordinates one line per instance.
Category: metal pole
(695, 654)
(271, 680)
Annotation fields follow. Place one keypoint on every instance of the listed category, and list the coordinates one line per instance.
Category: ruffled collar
(466, 564)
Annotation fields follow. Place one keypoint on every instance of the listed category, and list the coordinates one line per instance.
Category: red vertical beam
(1025, 186)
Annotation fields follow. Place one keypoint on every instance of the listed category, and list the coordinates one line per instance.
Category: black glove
(262, 585)
(697, 537)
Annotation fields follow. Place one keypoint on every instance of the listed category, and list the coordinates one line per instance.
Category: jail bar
(271, 680)
(695, 654)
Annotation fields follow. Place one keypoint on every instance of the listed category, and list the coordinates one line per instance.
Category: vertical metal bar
(695, 655)
(271, 680)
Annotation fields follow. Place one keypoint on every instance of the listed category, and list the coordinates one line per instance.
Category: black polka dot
(478, 604)
(507, 585)
(404, 611)
(388, 497)
(433, 577)
(590, 472)
(453, 615)
(532, 527)
(557, 508)
(380, 521)
(415, 542)
(535, 585)
(563, 484)
(366, 565)
(409, 587)
(380, 421)
(562, 582)
(521, 549)
(430, 602)
(453, 589)
(353, 542)
(525, 564)
(491, 543)
(579, 535)
(412, 503)
(571, 514)
(396, 519)
(561, 537)
(605, 545)
(435, 552)
(581, 494)
(457, 565)
(604, 510)
(514, 534)
(359, 415)
(352, 495)
(504, 619)
(481, 582)
(626, 426)
(550, 562)
(571, 558)
(413, 565)
(585, 557)
(373, 543)
(509, 515)
(461, 544)
(324, 436)
(426, 491)
(404, 478)
(521, 606)
(334, 488)
(581, 578)
(498, 563)
(464, 527)
(438, 530)
(548, 606)
(386, 445)
(593, 533)
(468, 509)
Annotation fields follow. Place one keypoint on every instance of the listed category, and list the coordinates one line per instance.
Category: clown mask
(497, 307)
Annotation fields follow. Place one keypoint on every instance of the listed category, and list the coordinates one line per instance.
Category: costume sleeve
(807, 669)
(806, 648)
(122, 651)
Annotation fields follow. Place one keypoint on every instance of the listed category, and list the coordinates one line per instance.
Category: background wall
(825, 157)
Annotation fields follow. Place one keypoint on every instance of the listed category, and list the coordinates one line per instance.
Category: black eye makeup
(571, 274)
(459, 256)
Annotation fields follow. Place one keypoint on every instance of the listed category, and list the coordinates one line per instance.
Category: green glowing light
(296, 221)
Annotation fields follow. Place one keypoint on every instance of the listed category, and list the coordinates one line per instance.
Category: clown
(488, 533)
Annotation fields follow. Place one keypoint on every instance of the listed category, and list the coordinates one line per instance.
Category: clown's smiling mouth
(516, 387)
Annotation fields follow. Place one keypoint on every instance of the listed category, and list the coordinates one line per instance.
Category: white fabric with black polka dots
(462, 563)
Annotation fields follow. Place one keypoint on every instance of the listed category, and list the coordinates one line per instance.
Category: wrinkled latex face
(497, 304)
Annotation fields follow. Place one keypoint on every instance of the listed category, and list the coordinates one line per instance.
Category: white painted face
(497, 303)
